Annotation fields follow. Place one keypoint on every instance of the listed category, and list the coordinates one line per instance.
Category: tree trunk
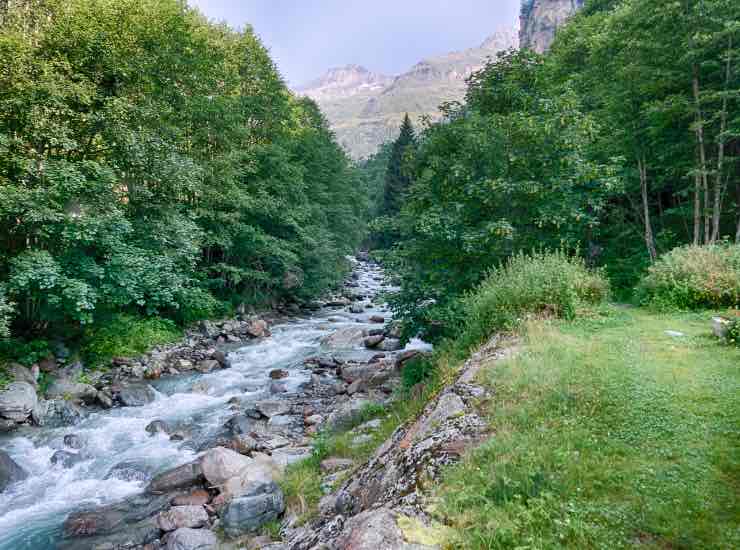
(702, 153)
(697, 209)
(717, 208)
(649, 239)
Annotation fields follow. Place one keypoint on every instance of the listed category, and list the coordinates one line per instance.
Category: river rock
(207, 365)
(377, 319)
(220, 464)
(19, 373)
(136, 395)
(130, 471)
(66, 459)
(209, 329)
(346, 413)
(157, 427)
(127, 536)
(57, 413)
(220, 356)
(257, 329)
(119, 516)
(17, 401)
(182, 516)
(372, 342)
(390, 344)
(277, 374)
(68, 390)
(273, 407)
(356, 308)
(186, 475)
(191, 539)
(196, 497)
(73, 441)
(286, 456)
(10, 471)
(262, 503)
(347, 337)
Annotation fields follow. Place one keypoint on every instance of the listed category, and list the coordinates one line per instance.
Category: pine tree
(396, 178)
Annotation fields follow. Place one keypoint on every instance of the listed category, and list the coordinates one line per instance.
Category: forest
(154, 164)
(619, 145)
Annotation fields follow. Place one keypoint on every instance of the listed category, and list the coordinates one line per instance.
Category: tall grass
(693, 277)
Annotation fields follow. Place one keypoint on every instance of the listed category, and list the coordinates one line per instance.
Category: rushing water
(32, 511)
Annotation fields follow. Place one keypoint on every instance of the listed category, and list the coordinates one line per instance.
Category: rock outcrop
(540, 19)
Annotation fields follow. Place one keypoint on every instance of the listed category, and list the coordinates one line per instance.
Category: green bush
(6, 310)
(693, 277)
(733, 332)
(15, 350)
(542, 283)
(125, 336)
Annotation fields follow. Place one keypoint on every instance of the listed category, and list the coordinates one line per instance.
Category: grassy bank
(609, 433)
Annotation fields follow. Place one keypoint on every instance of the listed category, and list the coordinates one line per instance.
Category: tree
(397, 179)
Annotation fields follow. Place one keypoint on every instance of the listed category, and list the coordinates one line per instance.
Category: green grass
(608, 434)
(126, 336)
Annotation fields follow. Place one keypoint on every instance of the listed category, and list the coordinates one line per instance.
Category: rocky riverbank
(224, 479)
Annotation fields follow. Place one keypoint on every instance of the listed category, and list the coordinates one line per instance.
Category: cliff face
(541, 18)
(366, 108)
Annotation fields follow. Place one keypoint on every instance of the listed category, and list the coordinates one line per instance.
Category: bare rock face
(376, 529)
(540, 19)
(17, 401)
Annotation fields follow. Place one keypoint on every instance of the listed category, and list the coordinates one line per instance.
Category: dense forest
(153, 163)
(619, 144)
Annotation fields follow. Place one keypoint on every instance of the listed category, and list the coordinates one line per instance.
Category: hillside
(366, 108)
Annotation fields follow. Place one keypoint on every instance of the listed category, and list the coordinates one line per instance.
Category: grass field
(609, 433)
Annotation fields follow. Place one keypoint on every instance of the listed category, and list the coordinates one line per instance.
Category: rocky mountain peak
(541, 18)
(345, 81)
(502, 39)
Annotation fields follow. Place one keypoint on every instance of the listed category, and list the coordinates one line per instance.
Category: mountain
(541, 18)
(365, 108)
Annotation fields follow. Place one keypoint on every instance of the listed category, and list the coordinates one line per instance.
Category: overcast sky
(306, 37)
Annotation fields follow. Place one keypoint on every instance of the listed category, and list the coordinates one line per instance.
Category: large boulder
(19, 373)
(346, 413)
(348, 337)
(17, 401)
(57, 413)
(257, 329)
(390, 344)
(273, 407)
(191, 539)
(186, 475)
(182, 516)
(221, 464)
(136, 395)
(10, 472)
(115, 517)
(260, 504)
(68, 390)
(376, 529)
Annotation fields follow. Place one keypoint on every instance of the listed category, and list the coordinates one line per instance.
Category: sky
(307, 37)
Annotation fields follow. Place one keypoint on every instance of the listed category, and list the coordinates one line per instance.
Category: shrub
(6, 310)
(542, 283)
(125, 336)
(733, 332)
(694, 277)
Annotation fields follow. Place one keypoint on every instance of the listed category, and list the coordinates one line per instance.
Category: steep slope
(366, 108)
(541, 18)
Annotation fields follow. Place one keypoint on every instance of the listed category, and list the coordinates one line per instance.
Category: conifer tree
(397, 179)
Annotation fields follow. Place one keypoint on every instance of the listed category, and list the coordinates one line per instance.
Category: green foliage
(13, 350)
(550, 284)
(125, 336)
(607, 435)
(693, 277)
(153, 163)
(733, 332)
(397, 179)
(6, 311)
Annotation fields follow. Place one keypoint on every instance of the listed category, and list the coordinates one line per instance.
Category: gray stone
(390, 344)
(720, 327)
(373, 530)
(136, 395)
(372, 342)
(57, 413)
(220, 464)
(10, 471)
(191, 539)
(285, 424)
(262, 503)
(73, 441)
(186, 475)
(346, 413)
(347, 337)
(331, 465)
(182, 516)
(286, 456)
(207, 365)
(157, 427)
(17, 401)
(69, 390)
(257, 329)
(19, 373)
(130, 471)
(66, 459)
(273, 407)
